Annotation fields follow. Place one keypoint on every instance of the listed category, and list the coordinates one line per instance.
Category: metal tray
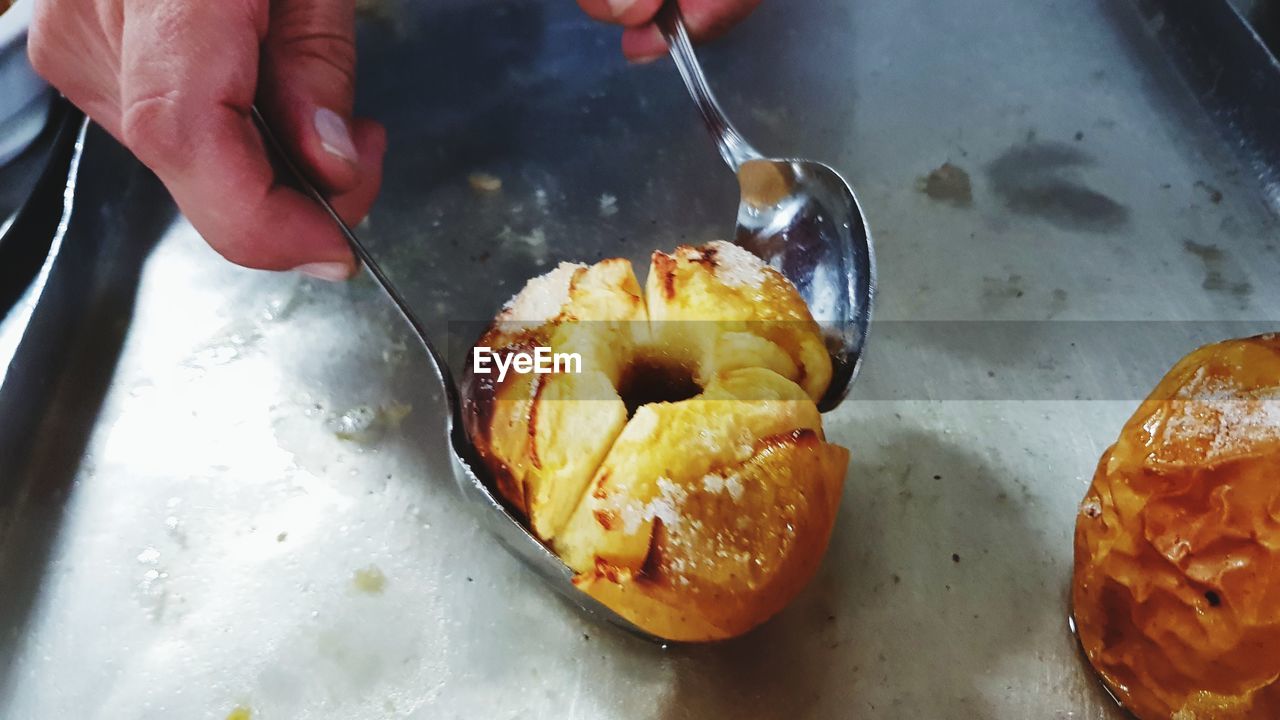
(222, 488)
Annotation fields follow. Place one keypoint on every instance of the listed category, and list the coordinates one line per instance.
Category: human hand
(641, 40)
(174, 81)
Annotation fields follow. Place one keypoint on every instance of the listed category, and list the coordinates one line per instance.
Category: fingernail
(646, 59)
(331, 271)
(335, 136)
(617, 7)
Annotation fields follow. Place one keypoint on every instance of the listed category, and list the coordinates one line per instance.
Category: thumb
(307, 87)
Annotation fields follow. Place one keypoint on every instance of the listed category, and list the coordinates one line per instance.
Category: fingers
(706, 20)
(308, 86)
(189, 73)
(622, 12)
(371, 143)
(69, 47)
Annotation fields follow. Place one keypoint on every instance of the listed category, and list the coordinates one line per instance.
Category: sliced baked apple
(682, 472)
(697, 296)
(542, 436)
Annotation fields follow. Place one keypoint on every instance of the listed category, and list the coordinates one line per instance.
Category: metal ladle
(798, 215)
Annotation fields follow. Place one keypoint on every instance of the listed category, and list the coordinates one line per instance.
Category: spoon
(507, 528)
(799, 216)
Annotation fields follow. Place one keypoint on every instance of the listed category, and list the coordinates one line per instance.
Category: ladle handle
(733, 148)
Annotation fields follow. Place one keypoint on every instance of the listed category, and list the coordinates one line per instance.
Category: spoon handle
(733, 148)
(303, 183)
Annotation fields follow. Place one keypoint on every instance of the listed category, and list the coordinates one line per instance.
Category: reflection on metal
(18, 316)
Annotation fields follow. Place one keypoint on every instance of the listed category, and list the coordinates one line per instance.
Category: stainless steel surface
(210, 500)
(489, 509)
(26, 239)
(24, 95)
(800, 216)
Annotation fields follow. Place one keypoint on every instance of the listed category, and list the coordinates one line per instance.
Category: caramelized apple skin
(1177, 550)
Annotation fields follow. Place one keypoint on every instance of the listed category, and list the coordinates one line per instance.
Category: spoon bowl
(516, 538)
(802, 218)
(799, 216)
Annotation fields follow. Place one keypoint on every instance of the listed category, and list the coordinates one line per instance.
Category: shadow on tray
(935, 546)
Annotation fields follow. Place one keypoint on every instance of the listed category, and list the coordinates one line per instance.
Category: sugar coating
(665, 506)
(543, 297)
(1222, 417)
(736, 267)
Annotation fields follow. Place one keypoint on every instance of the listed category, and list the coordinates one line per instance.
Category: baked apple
(1177, 550)
(542, 435)
(708, 515)
(681, 470)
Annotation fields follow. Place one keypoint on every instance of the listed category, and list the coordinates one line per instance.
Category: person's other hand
(174, 81)
(641, 40)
